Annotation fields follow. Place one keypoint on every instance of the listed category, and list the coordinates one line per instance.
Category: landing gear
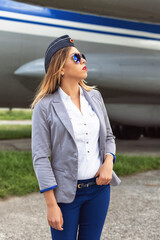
(153, 132)
(127, 132)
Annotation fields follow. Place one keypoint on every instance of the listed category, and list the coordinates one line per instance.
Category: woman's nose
(83, 60)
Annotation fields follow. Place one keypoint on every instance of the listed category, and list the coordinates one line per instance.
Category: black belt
(82, 185)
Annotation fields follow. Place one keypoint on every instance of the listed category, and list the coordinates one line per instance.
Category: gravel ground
(133, 212)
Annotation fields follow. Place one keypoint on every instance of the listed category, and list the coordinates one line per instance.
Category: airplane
(122, 49)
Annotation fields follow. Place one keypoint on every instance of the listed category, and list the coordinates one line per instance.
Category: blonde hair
(52, 79)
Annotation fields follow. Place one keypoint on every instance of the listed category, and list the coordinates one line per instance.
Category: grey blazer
(53, 136)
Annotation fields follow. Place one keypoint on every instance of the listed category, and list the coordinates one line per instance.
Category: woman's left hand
(104, 173)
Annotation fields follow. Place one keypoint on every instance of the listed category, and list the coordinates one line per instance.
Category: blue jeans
(87, 211)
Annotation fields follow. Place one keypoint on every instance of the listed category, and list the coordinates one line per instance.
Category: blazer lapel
(62, 113)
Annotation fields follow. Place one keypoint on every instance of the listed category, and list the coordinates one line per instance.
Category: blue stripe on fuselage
(79, 29)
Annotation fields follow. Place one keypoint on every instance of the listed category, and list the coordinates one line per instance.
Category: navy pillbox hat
(58, 43)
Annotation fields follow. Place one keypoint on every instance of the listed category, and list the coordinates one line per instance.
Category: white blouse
(86, 128)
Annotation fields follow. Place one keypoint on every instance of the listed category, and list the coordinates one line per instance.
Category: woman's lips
(84, 68)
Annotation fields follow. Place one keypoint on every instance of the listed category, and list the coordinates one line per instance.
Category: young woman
(70, 124)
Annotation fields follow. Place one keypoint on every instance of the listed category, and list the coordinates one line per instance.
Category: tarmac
(133, 212)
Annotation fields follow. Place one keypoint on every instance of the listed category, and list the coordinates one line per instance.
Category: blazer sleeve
(110, 139)
(41, 149)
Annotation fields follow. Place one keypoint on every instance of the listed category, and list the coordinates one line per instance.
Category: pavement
(15, 122)
(16, 144)
(133, 212)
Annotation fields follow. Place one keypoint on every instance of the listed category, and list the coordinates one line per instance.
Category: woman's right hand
(54, 217)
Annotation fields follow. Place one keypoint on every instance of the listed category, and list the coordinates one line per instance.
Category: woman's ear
(62, 73)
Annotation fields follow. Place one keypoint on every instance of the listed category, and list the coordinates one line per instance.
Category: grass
(15, 131)
(16, 114)
(17, 176)
(127, 165)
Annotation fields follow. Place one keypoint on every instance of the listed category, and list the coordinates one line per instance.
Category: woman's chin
(85, 73)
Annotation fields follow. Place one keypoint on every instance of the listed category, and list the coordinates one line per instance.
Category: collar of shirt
(64, 96)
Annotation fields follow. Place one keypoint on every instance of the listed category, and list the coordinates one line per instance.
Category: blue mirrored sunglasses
(77, 57)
